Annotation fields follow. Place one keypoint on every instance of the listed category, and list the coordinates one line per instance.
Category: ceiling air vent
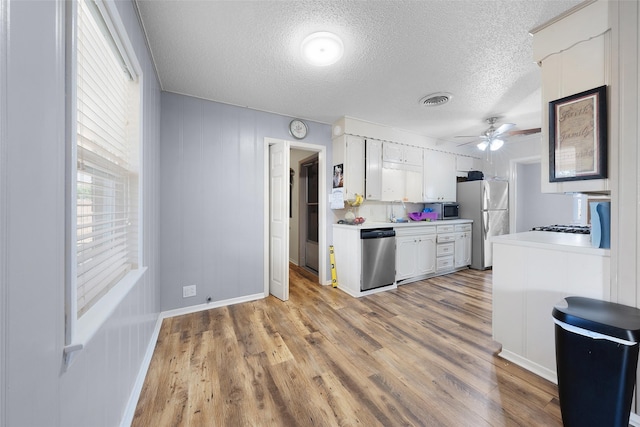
(435, 99)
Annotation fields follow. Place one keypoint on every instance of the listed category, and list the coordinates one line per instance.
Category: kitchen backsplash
(380, 211)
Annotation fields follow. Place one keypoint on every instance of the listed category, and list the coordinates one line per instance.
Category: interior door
(279, 220)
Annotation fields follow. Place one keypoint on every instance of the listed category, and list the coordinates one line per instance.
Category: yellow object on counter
(332, 260)
(358, 200)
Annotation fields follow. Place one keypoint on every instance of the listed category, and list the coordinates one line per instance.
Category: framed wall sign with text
(578, 136)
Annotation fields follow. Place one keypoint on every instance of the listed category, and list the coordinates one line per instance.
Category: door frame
(302, 220)
(322, 206)
(513, 187)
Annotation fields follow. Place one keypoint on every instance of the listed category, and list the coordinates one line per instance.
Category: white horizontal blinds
(107, 193)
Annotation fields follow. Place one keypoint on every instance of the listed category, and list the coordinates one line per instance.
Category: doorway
(308, 214)
(276, 207)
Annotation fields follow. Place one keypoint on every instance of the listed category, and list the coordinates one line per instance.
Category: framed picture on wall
(578, 136)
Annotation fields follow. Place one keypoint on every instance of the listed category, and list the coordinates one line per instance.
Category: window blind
(107, 161)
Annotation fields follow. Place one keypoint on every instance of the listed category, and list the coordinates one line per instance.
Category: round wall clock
(298, 129)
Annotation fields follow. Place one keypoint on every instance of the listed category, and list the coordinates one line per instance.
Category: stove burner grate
(576, 229)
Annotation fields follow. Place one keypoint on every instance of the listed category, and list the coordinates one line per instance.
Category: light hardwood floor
(420, 355)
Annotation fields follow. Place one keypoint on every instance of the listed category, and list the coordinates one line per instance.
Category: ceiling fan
(493, 138)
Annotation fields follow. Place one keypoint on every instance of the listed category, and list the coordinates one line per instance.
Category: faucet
(392, 217)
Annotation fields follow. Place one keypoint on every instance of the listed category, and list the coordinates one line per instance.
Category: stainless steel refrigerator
(486, 202)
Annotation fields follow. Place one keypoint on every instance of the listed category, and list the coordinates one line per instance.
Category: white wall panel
(212, 200)
(96, 388)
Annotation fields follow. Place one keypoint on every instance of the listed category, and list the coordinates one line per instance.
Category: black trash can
(596, 358)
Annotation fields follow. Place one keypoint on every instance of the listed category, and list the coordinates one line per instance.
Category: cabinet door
(354, 167)
(464, 163)
(392, 184)
(462, 249)
(467, 248)
(392, 152)
(405, 257)
(412, 156)
(413, 187)
(373, 172)
(426, 261)
(439, 177)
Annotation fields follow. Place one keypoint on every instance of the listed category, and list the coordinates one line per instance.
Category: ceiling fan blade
(503, 128)
(467, 143)
(525, 131)
(466, 136)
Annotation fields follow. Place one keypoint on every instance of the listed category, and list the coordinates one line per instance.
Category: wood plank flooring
(421, 355)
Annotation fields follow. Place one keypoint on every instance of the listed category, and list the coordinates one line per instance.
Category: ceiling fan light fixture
(322, 49)
(435, 99)
(496, 144)
(483, 145)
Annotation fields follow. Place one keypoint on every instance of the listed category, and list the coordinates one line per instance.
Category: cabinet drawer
(444, 249)
(446, 238)
(445, 229)
(444, 263)
(463, 227)
(415, 231)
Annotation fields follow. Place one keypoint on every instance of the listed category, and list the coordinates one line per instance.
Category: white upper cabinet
(439, 176)
(401, 173)
(400, 184)
(399, 156)
(464, 164)
(373, 170)
(574, 54)
(401, 177)
(392, 152)
(348, 158)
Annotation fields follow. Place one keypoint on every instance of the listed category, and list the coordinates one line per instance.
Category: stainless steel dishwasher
(378, 258)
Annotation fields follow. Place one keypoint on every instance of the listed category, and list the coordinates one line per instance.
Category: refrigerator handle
(485, 224)
(484, 197)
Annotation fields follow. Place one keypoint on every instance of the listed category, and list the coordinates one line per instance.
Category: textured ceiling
(247, 53)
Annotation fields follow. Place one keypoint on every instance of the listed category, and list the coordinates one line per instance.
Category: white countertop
(568, 242)
(373, 224)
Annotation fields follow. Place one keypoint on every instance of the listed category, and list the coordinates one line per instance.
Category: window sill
(90, 323)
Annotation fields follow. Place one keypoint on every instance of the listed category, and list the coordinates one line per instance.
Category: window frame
(80, 330)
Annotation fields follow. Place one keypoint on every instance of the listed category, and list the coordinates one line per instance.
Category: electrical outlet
(188, 291)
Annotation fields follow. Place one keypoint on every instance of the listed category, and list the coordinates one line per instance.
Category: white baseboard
(130, 410)
(210, 305)
(358, 293)
(539, 370)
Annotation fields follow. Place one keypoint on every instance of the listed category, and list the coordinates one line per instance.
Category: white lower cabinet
(446, 247)
(454, 247)
(421, 252)
(431, 250)
(415, 252)
(462, 246)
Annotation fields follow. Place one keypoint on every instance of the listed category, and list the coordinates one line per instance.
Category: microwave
(445, 210)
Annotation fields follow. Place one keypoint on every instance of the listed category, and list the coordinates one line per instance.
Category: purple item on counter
(422, 216)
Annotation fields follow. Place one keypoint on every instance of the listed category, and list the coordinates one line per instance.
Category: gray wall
(212, 198)
(95, 389)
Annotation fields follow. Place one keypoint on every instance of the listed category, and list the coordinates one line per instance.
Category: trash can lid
(607, 318)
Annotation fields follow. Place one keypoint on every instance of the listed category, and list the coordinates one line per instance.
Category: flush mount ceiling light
(322, 48)
(435, 99)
